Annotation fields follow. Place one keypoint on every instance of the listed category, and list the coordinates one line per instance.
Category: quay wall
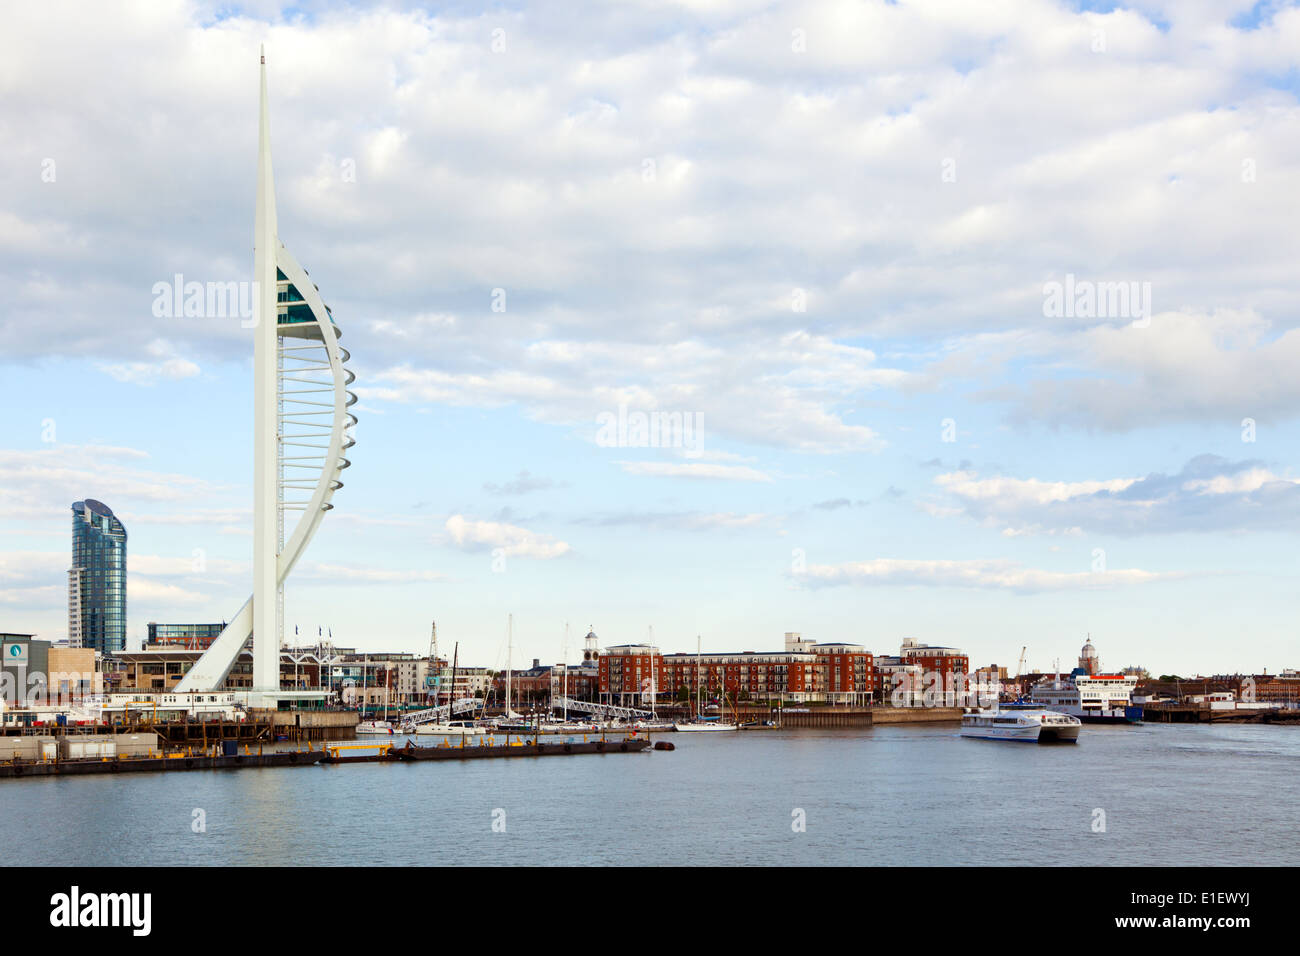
(818, 716)
(812, 717)
(916, 715)
(852, 716)
(311, 724)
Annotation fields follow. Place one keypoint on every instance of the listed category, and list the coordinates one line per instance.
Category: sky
(984, 317)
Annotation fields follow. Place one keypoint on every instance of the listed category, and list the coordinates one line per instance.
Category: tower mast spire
(266, 491)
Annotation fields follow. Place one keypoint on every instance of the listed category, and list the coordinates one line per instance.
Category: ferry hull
(1104, 718)
(1059, 735)
(1027, 735)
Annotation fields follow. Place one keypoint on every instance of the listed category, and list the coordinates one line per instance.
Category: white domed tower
(1089, 662)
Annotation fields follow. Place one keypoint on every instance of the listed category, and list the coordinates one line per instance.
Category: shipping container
(27, 748)
(87, 748)
(108, 745)
(136, 745)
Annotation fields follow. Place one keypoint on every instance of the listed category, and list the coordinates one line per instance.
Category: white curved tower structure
(300, 432)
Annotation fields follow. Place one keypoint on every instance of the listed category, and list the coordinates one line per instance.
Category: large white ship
(1093, 697)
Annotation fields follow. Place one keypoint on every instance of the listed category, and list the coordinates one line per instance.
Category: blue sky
(824, 229)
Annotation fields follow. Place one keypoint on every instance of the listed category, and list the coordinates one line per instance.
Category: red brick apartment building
(834, 671)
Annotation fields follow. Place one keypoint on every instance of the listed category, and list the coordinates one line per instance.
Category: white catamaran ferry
(1023, 722)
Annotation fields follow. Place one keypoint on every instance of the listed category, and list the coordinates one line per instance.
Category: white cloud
(967, 485)
(678, 521)
(1209, 494)
(348, 574)
(788, 390)
(773, 172)
(1220, 367)
(159, 593)
(472, 535)
(987, 574)
(163, 364)
(668, 469)
(38, 484)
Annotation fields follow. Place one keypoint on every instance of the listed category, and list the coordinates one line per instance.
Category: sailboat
(701, 723)
(654, 722)
(447, 727)
(374, 728)
(510, 721)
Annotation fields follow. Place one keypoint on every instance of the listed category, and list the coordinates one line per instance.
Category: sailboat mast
(510, 643)
(451, 692)
(654, 687)
(433, 662)
(697, 675)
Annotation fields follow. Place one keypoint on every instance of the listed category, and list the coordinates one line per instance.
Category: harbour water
(916, 794)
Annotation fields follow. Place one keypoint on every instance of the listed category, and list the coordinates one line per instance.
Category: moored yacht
(1021, 722)
(456, 728)
(703, 725)
(376, 728)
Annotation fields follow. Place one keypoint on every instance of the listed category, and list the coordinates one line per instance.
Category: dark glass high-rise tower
(97, 580)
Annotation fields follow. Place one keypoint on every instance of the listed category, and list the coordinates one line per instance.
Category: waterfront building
(1283, 689)
(413, 678)
(469, 682)
(197, 637)
(163, 670)
(629, 674)
(35, 671)
(529, 687)
(74, 673)
(539, 684)
(945, 669)
(748, 675)
(419, 680)
(1089, 662)
(845, 673)
(160, 669)
(301, 429)
(899, 682)
(97, 579)
(796, 643)
(805, 671)
(590, 647)
(23, 669)
(366, 679)
(577, 681)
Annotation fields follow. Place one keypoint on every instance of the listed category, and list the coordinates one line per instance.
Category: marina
(35, 756)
